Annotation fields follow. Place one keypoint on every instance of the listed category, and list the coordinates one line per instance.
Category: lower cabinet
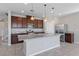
(14, 39)
(69, 37)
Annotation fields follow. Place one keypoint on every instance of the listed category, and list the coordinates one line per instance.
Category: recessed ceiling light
(22, 11)
(25, 3)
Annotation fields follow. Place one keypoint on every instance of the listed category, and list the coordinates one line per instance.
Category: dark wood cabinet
(40, 23)
(14, 39)
(14, 21)
(35, 22)
(69, 37)
(29, 20)
(20, 22)
(24, 22)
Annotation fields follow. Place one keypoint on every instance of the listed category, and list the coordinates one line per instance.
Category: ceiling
(60, 9)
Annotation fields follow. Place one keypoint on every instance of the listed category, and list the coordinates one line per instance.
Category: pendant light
(32, 10)
(52, 10)
(45, 17)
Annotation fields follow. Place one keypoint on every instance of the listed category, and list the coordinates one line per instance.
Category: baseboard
(44, 50)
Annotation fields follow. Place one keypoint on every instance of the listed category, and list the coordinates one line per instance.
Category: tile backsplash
(24, 30)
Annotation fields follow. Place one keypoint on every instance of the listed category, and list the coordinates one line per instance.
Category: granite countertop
(31, 35)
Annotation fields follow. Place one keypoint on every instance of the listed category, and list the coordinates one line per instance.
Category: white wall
(2, 29)
(73, 24)
(5, 30)
(49, 25)
(3, 26)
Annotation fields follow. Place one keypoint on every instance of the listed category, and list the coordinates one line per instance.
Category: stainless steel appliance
(61, 29)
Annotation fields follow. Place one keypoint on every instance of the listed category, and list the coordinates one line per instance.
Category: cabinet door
(35, 22)
(40, 23)
(14, 22)
(29, 20)
(24, 22)
(19, 22)
(68, 37)
(14, 39)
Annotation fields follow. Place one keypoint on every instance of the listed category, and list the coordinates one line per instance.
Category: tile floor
(65, 49)
(14, 50)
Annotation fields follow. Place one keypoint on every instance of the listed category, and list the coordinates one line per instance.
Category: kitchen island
(37, 43)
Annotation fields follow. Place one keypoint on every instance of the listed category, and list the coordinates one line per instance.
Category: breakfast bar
(37, 43)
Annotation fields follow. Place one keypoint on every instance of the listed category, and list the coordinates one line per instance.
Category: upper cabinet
(35, 23)
(20, 22)
(40, 23)
(24, 22)
(14, 21)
